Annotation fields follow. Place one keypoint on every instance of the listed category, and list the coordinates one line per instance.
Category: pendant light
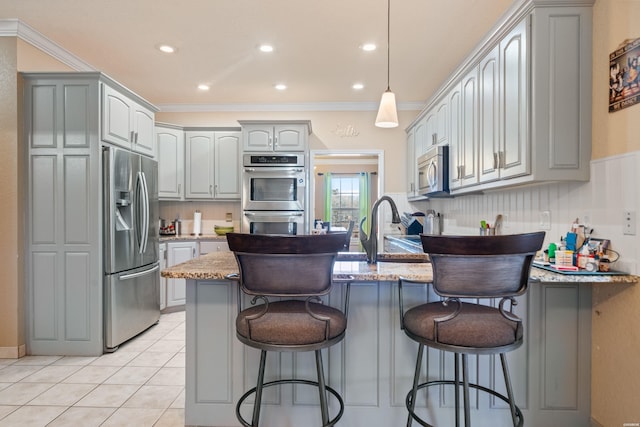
(387, 113)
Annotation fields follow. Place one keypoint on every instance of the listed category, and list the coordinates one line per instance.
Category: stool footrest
(420, 421)
(331, 422)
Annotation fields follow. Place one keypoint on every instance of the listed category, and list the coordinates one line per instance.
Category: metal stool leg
(416, 380)
(507, 381)
(256, 406)
(465, 380)
(456, 365)
(322, 389)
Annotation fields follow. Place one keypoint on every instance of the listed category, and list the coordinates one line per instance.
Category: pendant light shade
(387, 113)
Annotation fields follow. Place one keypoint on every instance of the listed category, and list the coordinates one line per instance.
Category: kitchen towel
(197, 223)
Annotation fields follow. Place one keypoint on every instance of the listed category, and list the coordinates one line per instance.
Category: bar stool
(288, 274)
(471, 267)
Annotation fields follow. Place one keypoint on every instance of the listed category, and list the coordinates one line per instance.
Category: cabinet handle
(501, 160)
(270, 141)
(275, 141)
(496, 161)
(211, 189)
(136, 140)
(132, 135)
(179, 188)
(215, 190)
(434, 138)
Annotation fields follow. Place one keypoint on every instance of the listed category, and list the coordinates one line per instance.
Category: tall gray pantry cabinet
(68, 118)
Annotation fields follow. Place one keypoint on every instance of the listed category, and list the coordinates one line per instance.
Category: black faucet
(370, 243)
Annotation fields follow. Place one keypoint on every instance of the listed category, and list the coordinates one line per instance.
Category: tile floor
(141, 384)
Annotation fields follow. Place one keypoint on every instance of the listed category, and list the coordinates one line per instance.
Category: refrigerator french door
(132, 278)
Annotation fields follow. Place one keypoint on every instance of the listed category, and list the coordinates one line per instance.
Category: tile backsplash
(599, 204)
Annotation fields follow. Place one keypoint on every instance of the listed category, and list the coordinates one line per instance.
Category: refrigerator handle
(145, 213)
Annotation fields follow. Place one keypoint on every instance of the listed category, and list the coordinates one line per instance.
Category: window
(345, 199)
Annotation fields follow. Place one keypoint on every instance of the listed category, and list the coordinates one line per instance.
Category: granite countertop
(216, 265)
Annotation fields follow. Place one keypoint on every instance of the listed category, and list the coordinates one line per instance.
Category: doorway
(343, 185)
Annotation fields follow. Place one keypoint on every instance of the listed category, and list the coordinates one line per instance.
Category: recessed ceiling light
(280, 86)
(203, 87)
(368, 47)
(266, 48)
(166, 48)
(358, 86)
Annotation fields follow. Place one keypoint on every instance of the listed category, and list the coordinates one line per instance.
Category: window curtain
(365, 200)
(327, 196)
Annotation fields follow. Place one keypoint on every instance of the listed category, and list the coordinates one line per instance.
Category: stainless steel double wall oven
(274, 193)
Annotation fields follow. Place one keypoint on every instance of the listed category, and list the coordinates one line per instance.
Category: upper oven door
(273, 188)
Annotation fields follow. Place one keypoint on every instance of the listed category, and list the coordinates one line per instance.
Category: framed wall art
(624, 75)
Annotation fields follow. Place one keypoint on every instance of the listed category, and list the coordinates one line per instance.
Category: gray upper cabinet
(212, 167)
(170, 156)
(63, 247)
(127, 122)
(283, 136)
(519, 107)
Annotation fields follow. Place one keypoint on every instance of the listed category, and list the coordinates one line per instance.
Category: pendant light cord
(388, 43)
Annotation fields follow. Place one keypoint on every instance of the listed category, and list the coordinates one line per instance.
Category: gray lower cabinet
(373, 367)
(63, 253)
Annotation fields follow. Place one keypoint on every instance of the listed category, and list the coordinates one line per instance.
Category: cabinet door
(431, 130)
(178, 252)
(514, 159)
(420, 138)
(257, 138)
(162, 251)
(199, 164)
(442, 123)
(227, 165)
(170, 153)
(489, 142)
(455, 138)
(469, 129)
(290, 137)
(143, 136)
(411, 165)
(117, 125)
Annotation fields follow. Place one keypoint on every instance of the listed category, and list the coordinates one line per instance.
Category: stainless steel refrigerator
(132, 278)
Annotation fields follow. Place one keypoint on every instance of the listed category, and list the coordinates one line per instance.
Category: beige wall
(11, 274)
(329, 129)
(15, 55)
(613, 133)
(616, 314)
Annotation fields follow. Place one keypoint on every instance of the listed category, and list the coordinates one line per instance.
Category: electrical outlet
(629, 223)
(545, 220)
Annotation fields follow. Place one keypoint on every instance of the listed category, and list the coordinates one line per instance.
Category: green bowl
(221, 231)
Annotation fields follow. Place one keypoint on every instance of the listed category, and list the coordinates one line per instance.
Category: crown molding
(17, 28)
(318, 106)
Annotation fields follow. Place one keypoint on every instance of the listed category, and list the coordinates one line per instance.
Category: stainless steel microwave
(433, 171)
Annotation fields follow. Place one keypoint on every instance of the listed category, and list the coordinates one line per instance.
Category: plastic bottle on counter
(552, 252)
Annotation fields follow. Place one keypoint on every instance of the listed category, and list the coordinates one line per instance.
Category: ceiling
(316, 46)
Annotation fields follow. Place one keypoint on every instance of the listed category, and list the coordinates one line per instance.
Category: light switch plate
(545, 220)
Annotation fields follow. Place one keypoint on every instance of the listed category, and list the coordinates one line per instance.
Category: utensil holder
(487, 231)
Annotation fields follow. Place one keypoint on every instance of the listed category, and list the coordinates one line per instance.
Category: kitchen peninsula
(372, 368)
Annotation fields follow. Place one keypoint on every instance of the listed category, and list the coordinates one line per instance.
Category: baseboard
(172, 309)
(13, 352)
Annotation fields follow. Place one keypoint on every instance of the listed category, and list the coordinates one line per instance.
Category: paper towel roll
(197, 223)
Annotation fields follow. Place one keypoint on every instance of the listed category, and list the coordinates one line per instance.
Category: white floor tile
(12, 374)
(137, 345)
(74, 360)
(132, 375)
(151, 359)
(21, 393)
(171, 418)
(92, 375)
(166, 346)
(82, 417)
(148, 396)
(7, 409)
(28, 416)
(179, 402)
(51, 374)
(108, 396)
(36, 360)
(133, 417)
(168, 376)
(177, 361)
(119, 358)
(63, 395)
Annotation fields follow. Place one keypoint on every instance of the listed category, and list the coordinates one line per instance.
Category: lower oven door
(273, 222)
